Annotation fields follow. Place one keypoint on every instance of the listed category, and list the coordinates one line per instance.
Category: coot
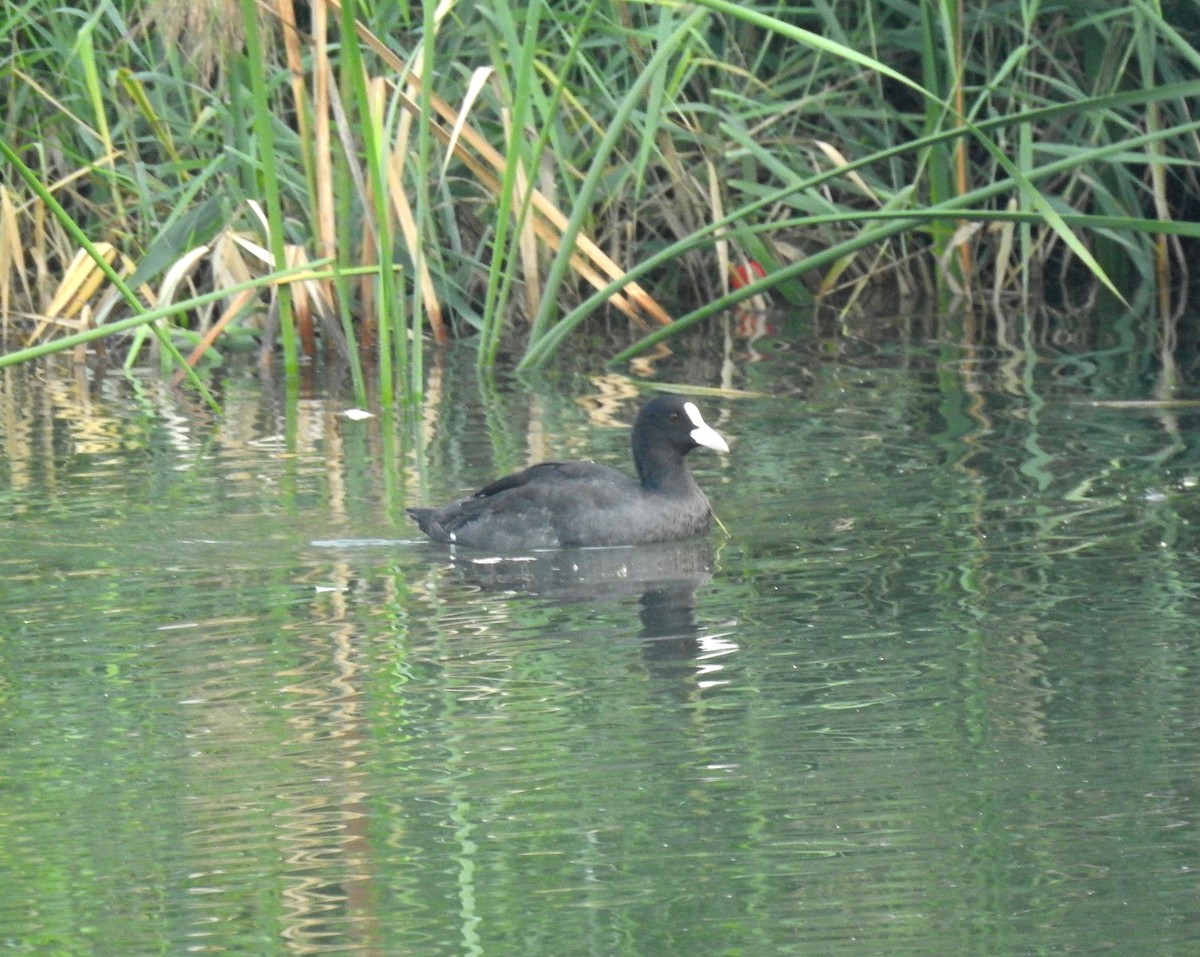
(565, 504)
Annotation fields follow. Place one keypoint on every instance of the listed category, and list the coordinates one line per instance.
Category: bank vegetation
(364, 181)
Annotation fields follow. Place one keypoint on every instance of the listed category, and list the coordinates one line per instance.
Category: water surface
(935, 691)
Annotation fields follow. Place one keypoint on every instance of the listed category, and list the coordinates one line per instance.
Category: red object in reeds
(745, 274)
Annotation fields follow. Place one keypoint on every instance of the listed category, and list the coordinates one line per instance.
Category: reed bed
(363, 182)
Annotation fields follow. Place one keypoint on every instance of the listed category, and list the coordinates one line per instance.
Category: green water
(935, 693)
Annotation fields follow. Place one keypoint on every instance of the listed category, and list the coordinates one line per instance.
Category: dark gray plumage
(564, 504)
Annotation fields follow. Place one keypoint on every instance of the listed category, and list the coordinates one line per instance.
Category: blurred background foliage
(362, 179)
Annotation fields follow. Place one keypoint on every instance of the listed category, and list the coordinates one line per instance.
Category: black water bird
(583, 504)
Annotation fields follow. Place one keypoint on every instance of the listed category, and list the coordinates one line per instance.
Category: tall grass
(371, 179)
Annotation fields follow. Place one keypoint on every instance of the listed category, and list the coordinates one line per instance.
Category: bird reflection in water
(663, 576)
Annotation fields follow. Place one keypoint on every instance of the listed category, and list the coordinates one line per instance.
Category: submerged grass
(372, 178)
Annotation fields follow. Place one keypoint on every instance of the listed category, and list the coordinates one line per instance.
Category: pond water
(934, 691)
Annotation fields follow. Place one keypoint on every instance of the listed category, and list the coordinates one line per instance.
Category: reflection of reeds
(512, 174)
